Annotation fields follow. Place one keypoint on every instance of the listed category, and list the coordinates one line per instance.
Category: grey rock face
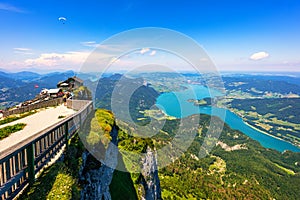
(149, 177)
(96, 176)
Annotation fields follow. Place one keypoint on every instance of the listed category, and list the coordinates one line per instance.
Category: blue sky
(252, 35)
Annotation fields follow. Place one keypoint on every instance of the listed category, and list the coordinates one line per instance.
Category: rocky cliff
(96, 176)
(149, 177)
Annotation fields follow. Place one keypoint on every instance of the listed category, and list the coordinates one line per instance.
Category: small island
(202, 102)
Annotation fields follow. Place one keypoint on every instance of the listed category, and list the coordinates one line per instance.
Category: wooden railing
(76, 104)
(20, 164)
(43, 104)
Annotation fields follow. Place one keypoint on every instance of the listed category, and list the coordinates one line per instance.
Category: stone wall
(43, 104)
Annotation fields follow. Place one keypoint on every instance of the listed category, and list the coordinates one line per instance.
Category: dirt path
(34, 124)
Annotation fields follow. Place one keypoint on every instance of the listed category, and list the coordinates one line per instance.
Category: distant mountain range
(293, 78)
(278, 84)
(25, 85)
(24, 75)
(21, 86)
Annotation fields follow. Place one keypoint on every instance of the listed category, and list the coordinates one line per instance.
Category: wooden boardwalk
(34, 124)
(20, 163)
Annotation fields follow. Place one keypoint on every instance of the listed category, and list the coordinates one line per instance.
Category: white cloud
(89, 44)
(11, 8)
(25, 51)
(53, 60)
(22, 49)
(144, 50)
(259, 55)
(75, 60)
(153, 53)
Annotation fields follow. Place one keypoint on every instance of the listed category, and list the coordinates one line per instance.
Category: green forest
(249, 173)
(287, 109)
(277, 116)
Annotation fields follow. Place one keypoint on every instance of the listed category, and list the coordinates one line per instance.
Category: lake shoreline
(175, 104)
(261, 131)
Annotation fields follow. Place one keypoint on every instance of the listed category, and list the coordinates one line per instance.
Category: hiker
(65, 99)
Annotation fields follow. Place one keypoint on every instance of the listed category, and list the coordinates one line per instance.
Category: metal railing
(20, 164)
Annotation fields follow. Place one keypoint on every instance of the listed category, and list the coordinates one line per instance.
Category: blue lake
(176, 104)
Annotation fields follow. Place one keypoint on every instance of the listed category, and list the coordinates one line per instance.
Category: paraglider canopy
(62, 19)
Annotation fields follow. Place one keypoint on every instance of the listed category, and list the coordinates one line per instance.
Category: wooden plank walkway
(22, 162)
(34, 124)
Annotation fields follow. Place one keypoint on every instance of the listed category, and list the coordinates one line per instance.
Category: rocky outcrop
(149, 177)
(96, 176)
(226, 147)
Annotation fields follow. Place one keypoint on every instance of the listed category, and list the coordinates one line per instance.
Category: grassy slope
(60, 180)
(56, 182)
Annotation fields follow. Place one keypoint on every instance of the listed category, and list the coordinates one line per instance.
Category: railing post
(30, 160)
(67, 135)
(87, 110)
(80, 120)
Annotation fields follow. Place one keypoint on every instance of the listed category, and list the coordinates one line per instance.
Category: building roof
(77, 79)
(70, 80)
(54, 91)
(64, 84)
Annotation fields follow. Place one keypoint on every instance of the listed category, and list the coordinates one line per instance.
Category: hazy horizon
(275, 73)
